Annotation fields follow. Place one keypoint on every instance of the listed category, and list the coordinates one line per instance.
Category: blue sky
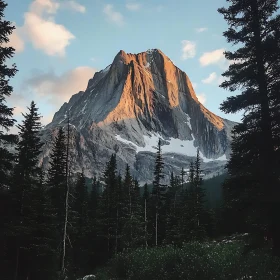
(61, 43)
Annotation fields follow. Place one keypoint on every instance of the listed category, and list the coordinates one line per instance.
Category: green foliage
(194, 261)
(253, 183)
(57, 176)
(6, 114)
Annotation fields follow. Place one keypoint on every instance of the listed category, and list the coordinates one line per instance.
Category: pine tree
(57, 176)
(26, 192)
(145, 203)
(192, 222)
(199, 200)
(158, 197)
(43, 245)
(56, 181)
(106, 211)
(182, 175)
(172, 206)
(93, 206)
(80, 226)
(64, 271)
(6, 113)
(253, 166)
(133, 230)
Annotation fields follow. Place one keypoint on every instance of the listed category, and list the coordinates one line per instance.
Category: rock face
(128, 106)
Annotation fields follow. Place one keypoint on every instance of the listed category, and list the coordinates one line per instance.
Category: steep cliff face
(129, 105)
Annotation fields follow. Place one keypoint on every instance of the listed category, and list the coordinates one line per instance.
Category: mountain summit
(128, 106)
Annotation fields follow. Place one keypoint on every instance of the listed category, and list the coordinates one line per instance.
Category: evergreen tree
(182, 175)
(106, 211)
(192, 224)
(56, 181)
(57, 177)
(199, 200)
(80, 228)
(172, 207)
(133, 234)
(27, 191)
(92, 223)
(158, 197)
(6, 113)
(253, 166)
(145, 203)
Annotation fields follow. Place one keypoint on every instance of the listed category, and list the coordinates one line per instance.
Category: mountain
(130, 104)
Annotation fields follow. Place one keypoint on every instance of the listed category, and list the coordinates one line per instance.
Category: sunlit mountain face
(128, 106)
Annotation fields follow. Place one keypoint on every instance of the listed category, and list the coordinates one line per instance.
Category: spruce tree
(199, 200)
(133, 234)
(182, 175)
(57, 176)
(172, 210)
(253, 167)
(80, 228)
(93, 206)
(145, 211)
(106, 211)
(192, 223)
(27, 193)
(158, 197)
(6, 114)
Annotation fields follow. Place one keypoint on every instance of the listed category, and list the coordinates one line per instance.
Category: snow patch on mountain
(170, 145)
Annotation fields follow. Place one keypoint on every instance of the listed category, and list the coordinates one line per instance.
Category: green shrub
(195, 261)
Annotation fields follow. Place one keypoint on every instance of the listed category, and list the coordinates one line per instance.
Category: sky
(60, 44)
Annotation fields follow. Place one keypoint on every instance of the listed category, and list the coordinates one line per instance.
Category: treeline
(55, 227)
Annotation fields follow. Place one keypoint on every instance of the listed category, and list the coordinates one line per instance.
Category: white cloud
(73, 5)
(113, 15)
(59, 88)
(46, 35)
(214, 57)
(188, 49)
(194, 85)
(210, 79)
(39, 7)
(16, 41)
(201, 98)
(133, 6)
(41, 29)
(201, 29)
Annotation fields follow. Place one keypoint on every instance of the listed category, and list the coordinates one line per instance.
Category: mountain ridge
(133, 100)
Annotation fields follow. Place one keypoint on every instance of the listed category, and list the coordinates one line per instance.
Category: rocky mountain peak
(135, 100)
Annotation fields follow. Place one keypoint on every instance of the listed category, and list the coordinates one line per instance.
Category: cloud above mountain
(59, 88)
(213, 57)
(112, 15)
(41, 29)
(188, 49)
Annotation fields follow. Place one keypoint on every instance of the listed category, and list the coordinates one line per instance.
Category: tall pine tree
(157, 199)
(6, 114)
(80, 227)
(26, 191)
(6, 122)
(253, 185)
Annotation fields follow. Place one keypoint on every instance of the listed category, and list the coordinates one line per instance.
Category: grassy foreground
(195, 261)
